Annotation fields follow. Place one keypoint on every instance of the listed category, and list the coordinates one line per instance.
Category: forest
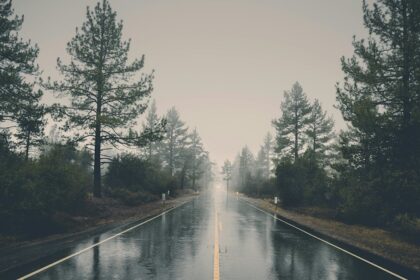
(369, 172)
(101, 137)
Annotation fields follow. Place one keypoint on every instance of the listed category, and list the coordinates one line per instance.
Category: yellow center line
(216, 273)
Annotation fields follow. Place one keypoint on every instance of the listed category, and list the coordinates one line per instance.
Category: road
(212, 237)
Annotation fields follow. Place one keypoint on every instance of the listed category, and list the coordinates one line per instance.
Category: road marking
(329, 243)
(216, 269)
(96, 244)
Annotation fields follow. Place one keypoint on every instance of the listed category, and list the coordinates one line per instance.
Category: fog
(223, 64)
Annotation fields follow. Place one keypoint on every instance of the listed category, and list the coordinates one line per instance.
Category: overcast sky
(224, 64)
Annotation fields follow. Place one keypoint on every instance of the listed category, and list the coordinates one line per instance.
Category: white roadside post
(276, 200)
(163, 198)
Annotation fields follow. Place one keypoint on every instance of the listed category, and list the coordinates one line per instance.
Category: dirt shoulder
(375, 241)
(108, 215)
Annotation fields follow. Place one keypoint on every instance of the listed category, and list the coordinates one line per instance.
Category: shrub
(291, 180)
(302, 182)
(32, 192)
(133, 198)
(129, 175)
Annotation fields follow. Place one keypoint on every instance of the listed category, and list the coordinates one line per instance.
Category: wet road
(180, 245)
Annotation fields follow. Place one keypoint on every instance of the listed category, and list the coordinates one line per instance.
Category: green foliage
(227, 172)
(291, 126)
(290, 182)
(154, 126)
(197, 158)
(302, 182)
(107, 92)
(375, 199)
(320, 132)
(31, 122)
(133, 198)
(17, 61)
(175, 142)
(19, 102)
(129, 175)
(32, 192)
(246, 166)
(380, 99)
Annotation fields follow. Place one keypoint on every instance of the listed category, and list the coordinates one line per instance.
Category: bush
(302, 182)
(291, 180)
(129, 175)
(133, 198)
(268, 187)
(33, 192)
(377, 197)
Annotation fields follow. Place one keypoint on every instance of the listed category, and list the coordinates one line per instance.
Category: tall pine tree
(320, 131)
(383, 74)
(154, 126)
(198, 155)
(227, 172)
(175, 141)
(107, 93)
(293, 122)
(31, 123)
(380, 98)
(19, 102)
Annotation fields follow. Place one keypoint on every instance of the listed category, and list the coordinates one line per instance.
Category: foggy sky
(224, 64)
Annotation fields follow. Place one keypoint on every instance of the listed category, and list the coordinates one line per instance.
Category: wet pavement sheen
(179, 245)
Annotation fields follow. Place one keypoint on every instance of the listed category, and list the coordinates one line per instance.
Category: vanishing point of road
(215, 236)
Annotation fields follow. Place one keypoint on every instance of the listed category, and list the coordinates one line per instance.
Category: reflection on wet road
(180, 245)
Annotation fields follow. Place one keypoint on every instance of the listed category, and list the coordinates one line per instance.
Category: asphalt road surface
(212, 237)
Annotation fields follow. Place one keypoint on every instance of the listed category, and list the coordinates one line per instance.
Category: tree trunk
(227, 186)
(296, 134)
(183, 177)
(97, 190)
(97, 164)
(406, 144)
(296, 142)
(171, 155)
(28, 141)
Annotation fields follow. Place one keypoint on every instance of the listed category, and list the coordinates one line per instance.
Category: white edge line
(329, 243)
(96, 244)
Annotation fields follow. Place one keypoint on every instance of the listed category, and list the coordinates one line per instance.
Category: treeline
(93, 128)
(369, 173)
(175, 161)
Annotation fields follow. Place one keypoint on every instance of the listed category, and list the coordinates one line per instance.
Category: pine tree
(19, 102)
(319, 131)
(207, 172)
(268, 151)
(293, 122)
(380, 98)
(31, 122)
(155, 126)
(197, 157)
(246, 165)
(384, 74)
(107, 93)
(175, 142)
(227, 173)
